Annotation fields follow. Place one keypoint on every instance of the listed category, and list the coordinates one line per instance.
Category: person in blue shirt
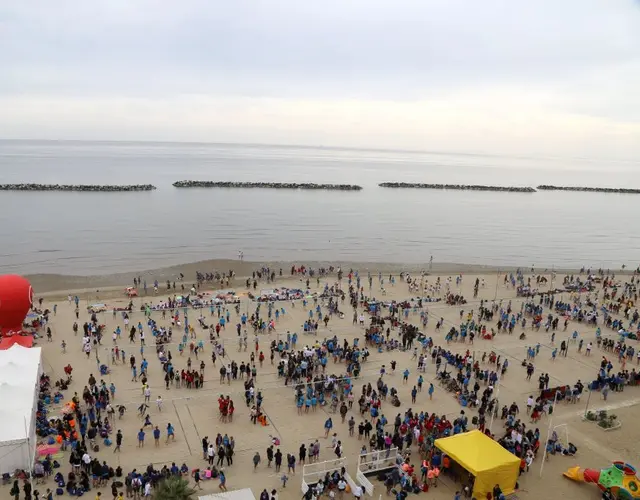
(170, 433)
(141, 438)
(405, 376)
(223, 481)
(328, 425)
(374, 412)
(156, 436)
(420, 382)
(299, 404)
(431, 389)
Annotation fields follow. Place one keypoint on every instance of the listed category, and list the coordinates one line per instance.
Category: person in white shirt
(357, 492)
(147, 394)
(530, 402)
(342, 485)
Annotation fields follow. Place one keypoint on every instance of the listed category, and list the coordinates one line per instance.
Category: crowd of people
(322, 374)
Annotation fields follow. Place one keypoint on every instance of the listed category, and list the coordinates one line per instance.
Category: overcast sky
(559, 77)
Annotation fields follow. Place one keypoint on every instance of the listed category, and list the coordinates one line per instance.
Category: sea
(103, 233)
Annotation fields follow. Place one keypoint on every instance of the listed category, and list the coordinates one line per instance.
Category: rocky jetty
(461, 187)
(76, 187)
(267, 185)
(546, 187)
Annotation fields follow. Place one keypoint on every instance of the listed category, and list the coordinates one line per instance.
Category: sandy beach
(194, 412)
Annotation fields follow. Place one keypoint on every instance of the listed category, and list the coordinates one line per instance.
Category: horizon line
(310, 146)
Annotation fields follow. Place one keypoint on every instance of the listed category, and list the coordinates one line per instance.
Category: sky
(546, 77)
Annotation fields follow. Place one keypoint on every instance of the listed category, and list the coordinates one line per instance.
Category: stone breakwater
(545, 187)
(267, 185)
(75, 187)
(461, 187)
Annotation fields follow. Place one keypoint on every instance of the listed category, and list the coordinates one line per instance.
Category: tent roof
(476, 451)
(19, 376)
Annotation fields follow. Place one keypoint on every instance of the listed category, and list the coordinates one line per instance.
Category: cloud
(541, 76)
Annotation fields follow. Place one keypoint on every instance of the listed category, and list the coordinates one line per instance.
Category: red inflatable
(16, 296)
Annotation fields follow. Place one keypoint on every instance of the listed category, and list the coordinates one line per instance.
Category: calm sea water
(97, 233)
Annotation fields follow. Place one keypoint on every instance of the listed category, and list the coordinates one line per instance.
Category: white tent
(20, 370)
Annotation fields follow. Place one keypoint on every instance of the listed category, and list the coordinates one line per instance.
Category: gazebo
(485, 458)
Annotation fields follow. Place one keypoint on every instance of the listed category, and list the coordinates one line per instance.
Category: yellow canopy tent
(485, 458)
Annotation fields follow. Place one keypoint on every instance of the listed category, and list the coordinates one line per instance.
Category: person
(431, 389)
(15, 490)
(141, 438)
(497, 491)
(118, 441)
(223, 480)
(357, 492)
(342, 486)
(196, 478)
(170, 433)
(156, 436)
(256, 460)
(27, 490)
(328, 425)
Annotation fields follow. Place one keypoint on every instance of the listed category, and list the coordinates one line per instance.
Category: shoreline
(45, 284)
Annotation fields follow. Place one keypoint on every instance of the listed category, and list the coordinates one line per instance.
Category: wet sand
(194, 413)
(59, 284)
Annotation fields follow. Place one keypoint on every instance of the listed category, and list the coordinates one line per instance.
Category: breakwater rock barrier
(461, 187)
(76, 187)
(546, 187)
(267, 185)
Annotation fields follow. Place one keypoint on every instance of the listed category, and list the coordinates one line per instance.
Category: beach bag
(107, 442)
(59, 491)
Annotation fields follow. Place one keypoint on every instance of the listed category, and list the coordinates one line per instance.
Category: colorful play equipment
(620, 478)
(16, 298)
